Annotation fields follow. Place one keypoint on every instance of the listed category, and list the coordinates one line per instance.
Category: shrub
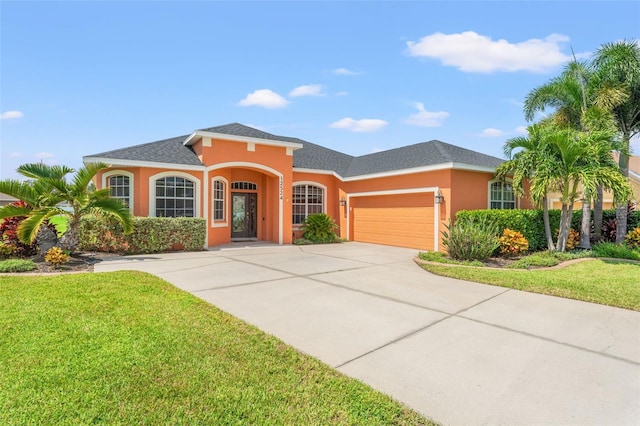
(616, 251)
(470, 239)
(6, 250)
(56, 257)
(319, 228)
(513, 243)
(632, 240)
(573, 239)
(9, 234)
(17, 265)
(439, 257)
(543, 258)
(150, 235)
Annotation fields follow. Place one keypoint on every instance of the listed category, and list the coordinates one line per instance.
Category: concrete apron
(458, 352)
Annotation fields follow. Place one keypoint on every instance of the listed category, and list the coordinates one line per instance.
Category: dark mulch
(79, 262)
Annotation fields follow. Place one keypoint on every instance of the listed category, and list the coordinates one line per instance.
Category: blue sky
(79, 78)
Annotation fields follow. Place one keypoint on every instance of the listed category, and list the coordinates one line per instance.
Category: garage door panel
(399, 220)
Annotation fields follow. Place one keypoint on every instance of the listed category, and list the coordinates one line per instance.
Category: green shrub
(470, 239)
(17, 265)
(632, 240)
(616, 251)
(513, 243)
(543, 258)
(150, 235)
(6, 250)
(319, 228)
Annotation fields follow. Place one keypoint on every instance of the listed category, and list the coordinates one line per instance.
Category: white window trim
(107, 175)
(516, 200)
(296, 226)
(152, 190)
(225, 222)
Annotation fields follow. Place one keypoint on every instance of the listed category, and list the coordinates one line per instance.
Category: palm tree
(530, 159)
(616, 67)
(49, 194)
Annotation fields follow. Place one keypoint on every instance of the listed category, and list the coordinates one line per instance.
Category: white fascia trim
(634, 175)
(436, 212)
(114, 162)
(203, 134)
(280, 189)
(400, 172)
(117, 172)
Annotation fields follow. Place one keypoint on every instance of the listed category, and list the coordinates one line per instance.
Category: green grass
(128, 348)
(437, 256)
(608, 282)
(17, 265)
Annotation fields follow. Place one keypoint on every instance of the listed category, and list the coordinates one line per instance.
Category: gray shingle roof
(170, 151)
(313, 156)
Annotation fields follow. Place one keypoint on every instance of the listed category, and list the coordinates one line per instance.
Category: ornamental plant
(632, 240)
(470, 240)
(513, 243)
(319, 228)
(56, 257)
(9, 233)
(573, 239)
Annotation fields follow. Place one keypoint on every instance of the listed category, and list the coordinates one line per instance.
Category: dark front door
(245, 215)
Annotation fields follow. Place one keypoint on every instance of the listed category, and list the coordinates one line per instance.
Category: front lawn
(608, 282)
(129, 348)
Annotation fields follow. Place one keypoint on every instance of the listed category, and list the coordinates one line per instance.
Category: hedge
(150, 235)
(531, 224)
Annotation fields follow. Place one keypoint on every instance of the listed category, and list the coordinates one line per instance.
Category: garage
(403, 220)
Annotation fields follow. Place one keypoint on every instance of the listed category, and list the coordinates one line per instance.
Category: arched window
(120, 184)
(175, 197)
(250, 186)
(307, 199)
(501, 195)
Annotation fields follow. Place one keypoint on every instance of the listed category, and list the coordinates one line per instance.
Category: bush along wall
(150, 235)
(530, 222)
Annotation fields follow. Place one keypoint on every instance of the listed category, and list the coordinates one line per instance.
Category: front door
(245, 215)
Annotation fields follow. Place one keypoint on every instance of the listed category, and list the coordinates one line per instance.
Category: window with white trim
(248, 186)
(219, 192)
(175, 197)
(120, 188)
(501, 196)
(307, 199)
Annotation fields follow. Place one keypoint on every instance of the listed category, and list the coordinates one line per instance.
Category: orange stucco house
(249, 184)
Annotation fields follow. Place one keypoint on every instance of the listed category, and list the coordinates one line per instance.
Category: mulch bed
(80, 261)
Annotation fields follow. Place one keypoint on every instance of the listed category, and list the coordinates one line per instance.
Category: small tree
(48, 194)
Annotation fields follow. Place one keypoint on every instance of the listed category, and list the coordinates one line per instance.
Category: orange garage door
(397, 220)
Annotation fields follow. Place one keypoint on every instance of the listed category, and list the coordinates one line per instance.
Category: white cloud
(11, 114)
(42, 155)
(307, 90)
(265, 98)
(472, 52)
(363, 125)
(344, 71)
(426, 118)
(491, 133)
(15, 154)
(522, 130)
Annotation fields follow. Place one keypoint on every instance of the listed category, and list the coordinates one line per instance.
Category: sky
(83, 77)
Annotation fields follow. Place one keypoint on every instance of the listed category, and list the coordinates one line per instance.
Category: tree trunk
(46, 239)
(547, 226)
(71, 238)
(562, 235)
(597, 214)
(621, 210)
(585, 226)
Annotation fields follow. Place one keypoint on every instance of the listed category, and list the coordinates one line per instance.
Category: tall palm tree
(530, 159)
(616, 67)
(49, 194)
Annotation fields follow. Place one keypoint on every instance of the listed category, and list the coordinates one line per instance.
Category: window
(120, 188)
(175, 197)
(218, 199)
(307, 199)
(501, 196)
(249, 186)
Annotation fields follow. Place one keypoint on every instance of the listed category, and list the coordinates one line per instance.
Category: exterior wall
(331, 197)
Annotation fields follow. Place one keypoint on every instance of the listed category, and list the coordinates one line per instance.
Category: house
(250, 184)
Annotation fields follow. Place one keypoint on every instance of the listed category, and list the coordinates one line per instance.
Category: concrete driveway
(460, 353)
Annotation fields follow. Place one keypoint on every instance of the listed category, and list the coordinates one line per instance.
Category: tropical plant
(9, 233)
(632, 240)
(616, 67)
(48, 194)
(513, 243)
(319, 228)
(56, 257)
(470, 240)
